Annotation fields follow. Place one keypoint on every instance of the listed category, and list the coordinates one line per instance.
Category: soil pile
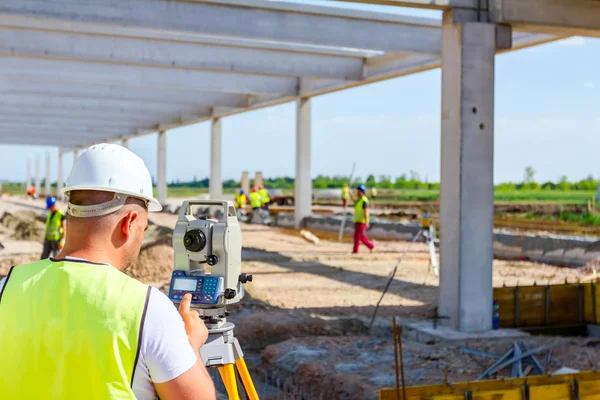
(155, 261)
(26, 225)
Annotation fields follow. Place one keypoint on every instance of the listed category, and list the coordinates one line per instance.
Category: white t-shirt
(165, 352)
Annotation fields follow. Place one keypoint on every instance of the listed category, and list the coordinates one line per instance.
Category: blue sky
(547, 116)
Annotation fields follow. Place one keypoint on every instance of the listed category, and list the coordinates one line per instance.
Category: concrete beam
(123, 94)
(115, 49)
(15, 68)
(161, 168)
(303, 181)
(99, 104)
(215, 183)
(573, 17)
(429, 4)
(79, 130)
(66, 123)
(263, 20)
(467, 175)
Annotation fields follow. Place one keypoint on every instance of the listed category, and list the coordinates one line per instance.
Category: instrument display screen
(188, 285)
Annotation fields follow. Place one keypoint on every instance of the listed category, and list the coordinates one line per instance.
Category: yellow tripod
(222, 350)
(227, 373)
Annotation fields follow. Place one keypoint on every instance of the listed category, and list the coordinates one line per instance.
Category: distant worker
(56, 227)
(241, 199)
(345, 195)
(361, 219)
(32, 192)
(264, 197)
(255, 201)
(373, 193)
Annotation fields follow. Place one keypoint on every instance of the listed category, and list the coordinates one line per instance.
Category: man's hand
(194, 326)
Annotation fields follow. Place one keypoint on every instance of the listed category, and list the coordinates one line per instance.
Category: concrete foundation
(425, 332)
(557, 250)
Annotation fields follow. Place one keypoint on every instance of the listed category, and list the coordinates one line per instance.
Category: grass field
(397, 195)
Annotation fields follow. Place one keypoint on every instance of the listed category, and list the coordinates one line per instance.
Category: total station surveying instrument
(208, 261)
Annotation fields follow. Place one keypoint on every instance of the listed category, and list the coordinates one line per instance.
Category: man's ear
(127, 223)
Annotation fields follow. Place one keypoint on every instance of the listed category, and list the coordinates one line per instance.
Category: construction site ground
(306, 313)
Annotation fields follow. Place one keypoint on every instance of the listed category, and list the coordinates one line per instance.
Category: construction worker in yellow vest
(345, 195)
(56, 227)
(240, 199)
(264, 197)
(361, 219)
(78, 327)
(255, 200)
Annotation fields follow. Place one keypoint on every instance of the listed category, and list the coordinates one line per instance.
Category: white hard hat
(110, 168)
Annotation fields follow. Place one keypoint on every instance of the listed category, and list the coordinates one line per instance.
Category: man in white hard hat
(76, 327)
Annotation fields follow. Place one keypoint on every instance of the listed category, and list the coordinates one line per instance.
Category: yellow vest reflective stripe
(359, 211)
(54, 229)
(264, 196)
(72, 331)
(255, 201)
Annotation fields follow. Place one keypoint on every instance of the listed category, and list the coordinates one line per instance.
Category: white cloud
(575, 41)
(589, 85)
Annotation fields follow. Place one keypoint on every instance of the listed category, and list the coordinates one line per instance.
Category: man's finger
(184, 306)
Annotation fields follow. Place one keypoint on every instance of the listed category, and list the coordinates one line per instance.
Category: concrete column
(467, 186)
(215, 183)
(60, 182)
(28, 178)
(161, 168)
(125, 143)
(258, 179)
(245, 182)
(303, 182)
(47, 185)
(38, 177)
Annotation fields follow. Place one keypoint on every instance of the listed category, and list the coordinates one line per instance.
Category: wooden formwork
(548, 305)
(581, 386)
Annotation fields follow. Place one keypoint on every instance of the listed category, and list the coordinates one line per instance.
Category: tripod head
(208, 258)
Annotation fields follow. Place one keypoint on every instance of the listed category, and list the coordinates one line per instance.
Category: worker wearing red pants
(361, 219)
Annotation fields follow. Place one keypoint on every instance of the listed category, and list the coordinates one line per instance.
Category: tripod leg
(228, 375)
(246, 379)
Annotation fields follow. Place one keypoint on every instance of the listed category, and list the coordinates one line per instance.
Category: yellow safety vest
(241, 200)
(359, 211)
(71, 330)
(54, 229)
(255, 201)
(264, 196)
(345, 193)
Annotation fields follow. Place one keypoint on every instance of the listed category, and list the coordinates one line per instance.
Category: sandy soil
(310, 301)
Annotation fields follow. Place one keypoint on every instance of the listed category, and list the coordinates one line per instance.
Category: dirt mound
(26, 225)
(155, 262)
(7, 262)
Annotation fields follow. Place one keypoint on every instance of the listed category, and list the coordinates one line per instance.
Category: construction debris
(515, 358)
(309, 236)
